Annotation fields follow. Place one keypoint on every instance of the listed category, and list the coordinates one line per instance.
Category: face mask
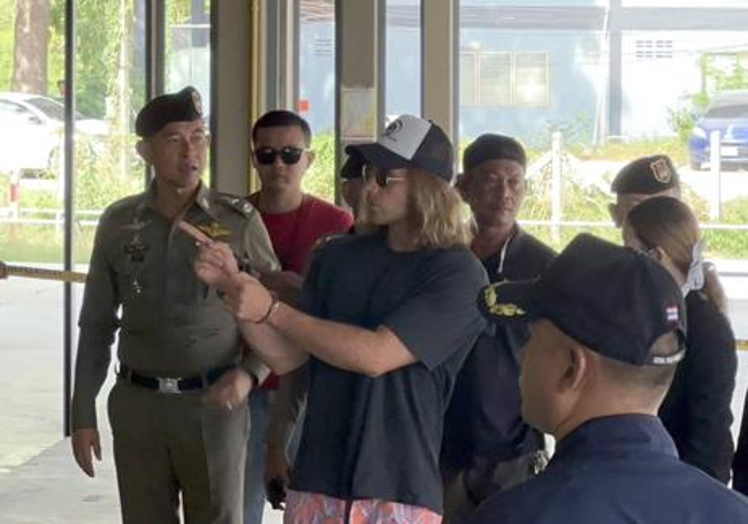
(695, 276)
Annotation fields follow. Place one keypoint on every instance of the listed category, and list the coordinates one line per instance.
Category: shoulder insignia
(236, 203)
(497, 308)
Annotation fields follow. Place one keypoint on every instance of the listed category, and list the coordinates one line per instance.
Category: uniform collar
(202, 198)
(617, 434)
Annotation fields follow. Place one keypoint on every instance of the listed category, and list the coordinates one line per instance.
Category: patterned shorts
(315, 508)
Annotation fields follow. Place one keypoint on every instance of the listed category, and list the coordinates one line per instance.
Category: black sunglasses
(289, 155)
(381, 176)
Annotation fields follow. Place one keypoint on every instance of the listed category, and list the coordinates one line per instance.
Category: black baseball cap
(352, 167)
(647, 176)
(184, 106)
(614, 300)
(493, 147)
(410, 141)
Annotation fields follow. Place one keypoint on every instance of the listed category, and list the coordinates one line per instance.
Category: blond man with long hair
(387, 319)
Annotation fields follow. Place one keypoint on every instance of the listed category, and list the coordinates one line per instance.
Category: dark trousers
(465, 490)
(170, 445)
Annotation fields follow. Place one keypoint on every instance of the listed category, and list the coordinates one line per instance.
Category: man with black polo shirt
(387, 318)
(487, 445)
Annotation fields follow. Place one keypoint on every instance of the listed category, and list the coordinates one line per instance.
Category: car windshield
(728, 111)
(52, 108)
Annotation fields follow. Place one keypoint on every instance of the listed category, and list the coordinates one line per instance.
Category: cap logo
(197, 102)
(393, 129)
(661, 171)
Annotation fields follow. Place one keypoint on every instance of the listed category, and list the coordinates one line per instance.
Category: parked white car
(32, 130)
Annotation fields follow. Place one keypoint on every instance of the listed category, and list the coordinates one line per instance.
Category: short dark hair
(282, 118)
(656, 378)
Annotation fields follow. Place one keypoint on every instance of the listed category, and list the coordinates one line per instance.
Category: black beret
(647, 175)
(184, 106)
(493, 147)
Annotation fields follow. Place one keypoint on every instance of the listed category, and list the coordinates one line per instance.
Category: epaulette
(237, 203)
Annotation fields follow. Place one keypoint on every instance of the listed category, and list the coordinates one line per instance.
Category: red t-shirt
(294, 234)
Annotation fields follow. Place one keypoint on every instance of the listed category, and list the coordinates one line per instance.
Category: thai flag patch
(672, 313)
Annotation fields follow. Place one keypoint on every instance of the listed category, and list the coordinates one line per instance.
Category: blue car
(728, 114)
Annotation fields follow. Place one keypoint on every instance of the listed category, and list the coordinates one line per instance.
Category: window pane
(317, 91)
(531, 72)
(188, 51)
(495, 79)
(591, 90)
(403, 61)
(468, 78)
(31, 135)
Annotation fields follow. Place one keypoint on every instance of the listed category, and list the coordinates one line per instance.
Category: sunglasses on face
(382, 177)
(289, 155)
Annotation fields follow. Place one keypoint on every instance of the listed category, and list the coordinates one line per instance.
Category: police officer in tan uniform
(178, 409)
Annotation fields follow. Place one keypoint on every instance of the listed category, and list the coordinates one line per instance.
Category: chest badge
(215, 230)
(135, 249)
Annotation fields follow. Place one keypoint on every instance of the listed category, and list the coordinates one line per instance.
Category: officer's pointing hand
(215, 264)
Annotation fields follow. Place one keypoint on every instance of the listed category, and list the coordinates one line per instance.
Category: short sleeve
(442, 316)
(259, 250)
(309, 291)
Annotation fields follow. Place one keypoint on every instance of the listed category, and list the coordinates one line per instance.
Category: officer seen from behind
(609, 329)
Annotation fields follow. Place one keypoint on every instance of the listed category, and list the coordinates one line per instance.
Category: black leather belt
(172, 385)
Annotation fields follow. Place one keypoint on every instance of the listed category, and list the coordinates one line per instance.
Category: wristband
(274, 305)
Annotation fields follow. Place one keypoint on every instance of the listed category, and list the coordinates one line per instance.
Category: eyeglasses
(289, 155)
(381, 176)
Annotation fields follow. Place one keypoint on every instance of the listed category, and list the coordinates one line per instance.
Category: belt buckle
(168, 385)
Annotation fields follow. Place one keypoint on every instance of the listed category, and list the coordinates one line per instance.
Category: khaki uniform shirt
(142, 284)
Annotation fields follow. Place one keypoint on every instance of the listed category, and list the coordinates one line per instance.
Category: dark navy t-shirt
(380, 437)
(484, 419)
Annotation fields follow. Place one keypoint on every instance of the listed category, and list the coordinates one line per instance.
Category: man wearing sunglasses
(296, 222)
(386, 320)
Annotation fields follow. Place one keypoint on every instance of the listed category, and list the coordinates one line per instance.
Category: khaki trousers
(167, 445)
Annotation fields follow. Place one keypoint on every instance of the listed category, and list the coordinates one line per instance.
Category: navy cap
(184, 106)
(614, 300)
(647, 176)
(493, 147)
(410, 142)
